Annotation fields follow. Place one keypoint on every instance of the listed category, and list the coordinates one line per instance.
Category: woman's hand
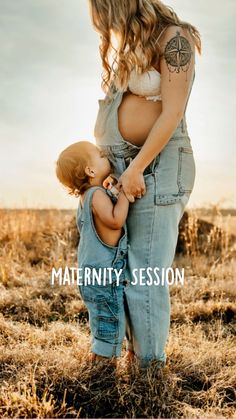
(132, 182)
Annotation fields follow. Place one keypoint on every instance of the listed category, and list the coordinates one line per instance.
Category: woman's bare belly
(136, 117)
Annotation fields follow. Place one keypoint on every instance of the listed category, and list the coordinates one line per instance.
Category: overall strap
(88, 197)
(83, 212)
(79, 216)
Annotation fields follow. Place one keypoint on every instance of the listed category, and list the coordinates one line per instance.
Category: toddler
(86, 172)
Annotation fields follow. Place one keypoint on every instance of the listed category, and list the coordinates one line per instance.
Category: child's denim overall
(152, 225)
(105, 303)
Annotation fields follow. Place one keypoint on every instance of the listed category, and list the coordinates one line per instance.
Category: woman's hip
(169, 176)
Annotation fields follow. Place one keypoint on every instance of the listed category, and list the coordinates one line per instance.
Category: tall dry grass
(44, 333)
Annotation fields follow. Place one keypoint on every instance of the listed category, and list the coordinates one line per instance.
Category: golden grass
(45, 338)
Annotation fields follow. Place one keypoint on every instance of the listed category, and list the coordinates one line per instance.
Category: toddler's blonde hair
(70, 168)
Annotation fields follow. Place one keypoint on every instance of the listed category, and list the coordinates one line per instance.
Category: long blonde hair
(138, 24)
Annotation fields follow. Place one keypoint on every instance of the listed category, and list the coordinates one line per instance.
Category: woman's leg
(153, 234)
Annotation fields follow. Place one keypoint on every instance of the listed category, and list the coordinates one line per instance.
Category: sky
(50, 83)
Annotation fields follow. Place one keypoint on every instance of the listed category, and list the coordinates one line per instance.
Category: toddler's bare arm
(112, 215)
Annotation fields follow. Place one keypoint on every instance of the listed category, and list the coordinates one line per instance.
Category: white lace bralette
(147, 84)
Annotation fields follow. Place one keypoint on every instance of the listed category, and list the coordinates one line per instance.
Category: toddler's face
(100, 162)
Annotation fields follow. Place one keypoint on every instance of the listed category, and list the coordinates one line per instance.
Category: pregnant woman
(148, 76)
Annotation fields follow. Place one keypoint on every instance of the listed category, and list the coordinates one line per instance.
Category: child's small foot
(129, 364)
(94, 358)
(129, 356)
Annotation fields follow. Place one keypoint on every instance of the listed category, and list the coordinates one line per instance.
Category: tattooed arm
(177, 70)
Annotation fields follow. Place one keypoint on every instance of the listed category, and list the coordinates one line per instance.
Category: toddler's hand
(107, 183)
(110, 182)
(133, 183)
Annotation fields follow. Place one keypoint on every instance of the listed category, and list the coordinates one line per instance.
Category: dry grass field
(44, 333)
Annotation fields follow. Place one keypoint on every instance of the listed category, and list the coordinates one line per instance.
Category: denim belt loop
(128, 160)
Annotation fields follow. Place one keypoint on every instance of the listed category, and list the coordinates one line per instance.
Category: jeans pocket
(97, 287)
(186, 170)
(107, 326)
(167, 199)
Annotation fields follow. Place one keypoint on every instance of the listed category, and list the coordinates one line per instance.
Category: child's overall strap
(83, 213)
(87, 201)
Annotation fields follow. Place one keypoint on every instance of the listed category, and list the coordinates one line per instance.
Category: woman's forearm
(157, 138)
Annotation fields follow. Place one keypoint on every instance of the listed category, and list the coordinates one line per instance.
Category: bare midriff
(136, 117)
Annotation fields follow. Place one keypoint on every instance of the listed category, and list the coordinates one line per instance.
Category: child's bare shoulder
(100, 200)
(98, 194)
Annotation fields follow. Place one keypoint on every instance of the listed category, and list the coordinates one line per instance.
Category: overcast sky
(50, 75)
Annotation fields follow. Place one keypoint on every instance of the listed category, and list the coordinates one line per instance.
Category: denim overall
(152, 225)
(104, 302)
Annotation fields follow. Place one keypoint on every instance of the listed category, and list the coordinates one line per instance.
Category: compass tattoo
(178, 54)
